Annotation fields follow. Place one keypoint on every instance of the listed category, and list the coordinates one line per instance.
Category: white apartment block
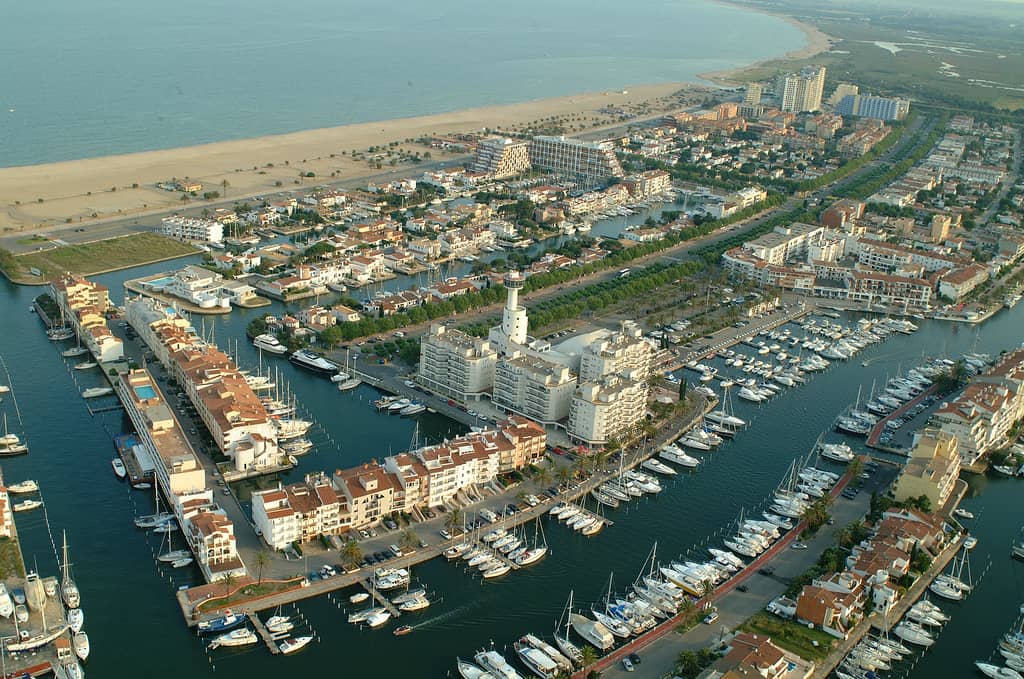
(533, 387)
(84, 305)
(606, 408)
(191, 229)
(625, 350)
(298, 512)
(590, 164)
(456, 365)
(800, 92)
(501, 157)
(979, 418)
(211, 534)
(785, 243)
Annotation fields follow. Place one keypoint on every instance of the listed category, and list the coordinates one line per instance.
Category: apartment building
(589, 164)
(868, 106)
(959, 283)
(211, 535)
(873, 286)
(624, 350)
(298, 512)
(932, 470)
(752, 95)
(500, 157)
(235, 417)
(192, 229)
(648, 184)
(800, 92)
(607, 407)
(528, 385)
(368, 494)
(842, 90)
(84, 305)
(980, 418)
(785, 243)
(455, 364)
(754, 655)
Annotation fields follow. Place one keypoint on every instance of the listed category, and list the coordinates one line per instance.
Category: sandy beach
(81, 190)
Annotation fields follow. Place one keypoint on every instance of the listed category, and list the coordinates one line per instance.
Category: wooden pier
(264, 633)
(380, 598)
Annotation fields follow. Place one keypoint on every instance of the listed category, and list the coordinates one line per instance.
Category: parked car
(710, 618)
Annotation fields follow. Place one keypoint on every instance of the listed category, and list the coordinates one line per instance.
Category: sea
(134, 622)
(88, 79)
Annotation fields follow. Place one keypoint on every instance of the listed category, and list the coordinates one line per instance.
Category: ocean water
(86, 79)
(133, 621)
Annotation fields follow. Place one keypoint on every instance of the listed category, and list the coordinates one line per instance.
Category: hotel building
(192, 230)
(932, 470)
(606, 408)
(455, 364)
(800, 92)
(298, 512)
(589, 164)
(501, 157)
(84, 304)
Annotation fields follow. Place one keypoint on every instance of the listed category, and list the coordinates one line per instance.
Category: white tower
(513, 319)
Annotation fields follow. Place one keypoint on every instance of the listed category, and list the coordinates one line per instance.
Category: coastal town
(723, 386)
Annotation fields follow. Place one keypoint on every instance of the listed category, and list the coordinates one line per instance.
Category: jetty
(380, 598)
(263, 633)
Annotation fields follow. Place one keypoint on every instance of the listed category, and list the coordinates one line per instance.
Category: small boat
(86, 365)
(142, 486)
(182, 562)
(6, 605)
(402, 631)
(970, 542)
(358, 598)
(21, 613)
(996, 672)
(291, 645)
(963, 513)
(349, 384)
(221, 623)
(74, 351)
(239, 637)
(168, 527)
(468, 670)
(119, 469)
(378, 617)
(81, 645)
(27, 486)
(76, 619)
(172, 556)
(96, 392)
(26, 505)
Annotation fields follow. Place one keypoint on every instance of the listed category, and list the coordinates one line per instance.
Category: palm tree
(262, 560)
(579, 467)
(229, 581)
(563, 474)
(185, 198)
(543, 475)
(351, 552)
(454, 519)
(409, 538)
(589, 656)
(224, 184)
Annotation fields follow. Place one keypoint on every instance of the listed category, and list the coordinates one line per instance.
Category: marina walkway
(380, 598)
(263, 633)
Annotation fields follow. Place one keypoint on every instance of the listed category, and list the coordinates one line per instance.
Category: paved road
(735, 607)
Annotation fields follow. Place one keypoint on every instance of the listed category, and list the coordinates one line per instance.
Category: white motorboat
(269, 343)
(358, 598)
(173, 555)
(837, 452)
(279, 624)
(349, 384)
(592, 631)
(378, 618)
(495, 663)
(304, 358)
(658, 467)
(723, 418)
(913, 633)
(536, 660)
(76, 619)
(96, 392)
(294, 644)
(86, 365)
(468, 670)
(414, 604)
(997, 672)
(80, 642)
(693, 442)
(27, 486)
(74, 351)
(6, 605)
(27, 505)
(677, 456)
(962, 513)
(242, 636)
(119, 468)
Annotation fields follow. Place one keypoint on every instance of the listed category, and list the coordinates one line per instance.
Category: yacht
(80, 642)
(74, 351)
(291, 645)
(592, 631)
(378, 618)
(6, 605)
(27, 505)
(239, 637)
(27, 486)
(838, 452)
(221, 623)
(538, 661)
(269, 343)
(86, 365)
(96, 392)
(550, 651)
(723, 418)
(468, 670)
(962, 513)
(913, 633)
(289, 428)
(677, 456)
(495, 663)
(119, 469)
(997, 672)
(304, 358)
(349, 384)
(657, 467)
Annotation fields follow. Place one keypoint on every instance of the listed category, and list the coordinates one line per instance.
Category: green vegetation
(913, 151)
(10, 559)
(809, 644)
(689, 664)
(102, 255)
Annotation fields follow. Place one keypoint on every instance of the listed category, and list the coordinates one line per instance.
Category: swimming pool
(145, 392)
(162, 282)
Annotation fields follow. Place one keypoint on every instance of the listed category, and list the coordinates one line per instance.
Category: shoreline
(817, 42)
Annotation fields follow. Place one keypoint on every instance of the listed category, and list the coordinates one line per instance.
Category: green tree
(589, 656)
(262, 560)
(229, 582)
(682, 390)
(351, 552)
(409, 538)
(454, 519)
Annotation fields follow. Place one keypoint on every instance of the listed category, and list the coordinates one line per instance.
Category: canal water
(131, 615)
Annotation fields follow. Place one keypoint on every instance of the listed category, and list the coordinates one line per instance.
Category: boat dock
(263, 633)
(380, 598)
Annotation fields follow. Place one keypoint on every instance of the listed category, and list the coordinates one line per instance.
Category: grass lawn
(10, 559)
(791, 636)
(103, 255)
(248, 593)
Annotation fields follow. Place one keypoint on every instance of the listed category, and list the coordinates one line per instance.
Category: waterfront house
(755, 656)
(832, 612)
(298, 512)
(212, 538)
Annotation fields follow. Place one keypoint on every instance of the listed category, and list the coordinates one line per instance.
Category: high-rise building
(801, 92)
(623, 351)
(879, 108)
(532, 386)
(753, 95)
(842, 90)
(501, 157)
(589, 164)
(606, 408)
(455, 364)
